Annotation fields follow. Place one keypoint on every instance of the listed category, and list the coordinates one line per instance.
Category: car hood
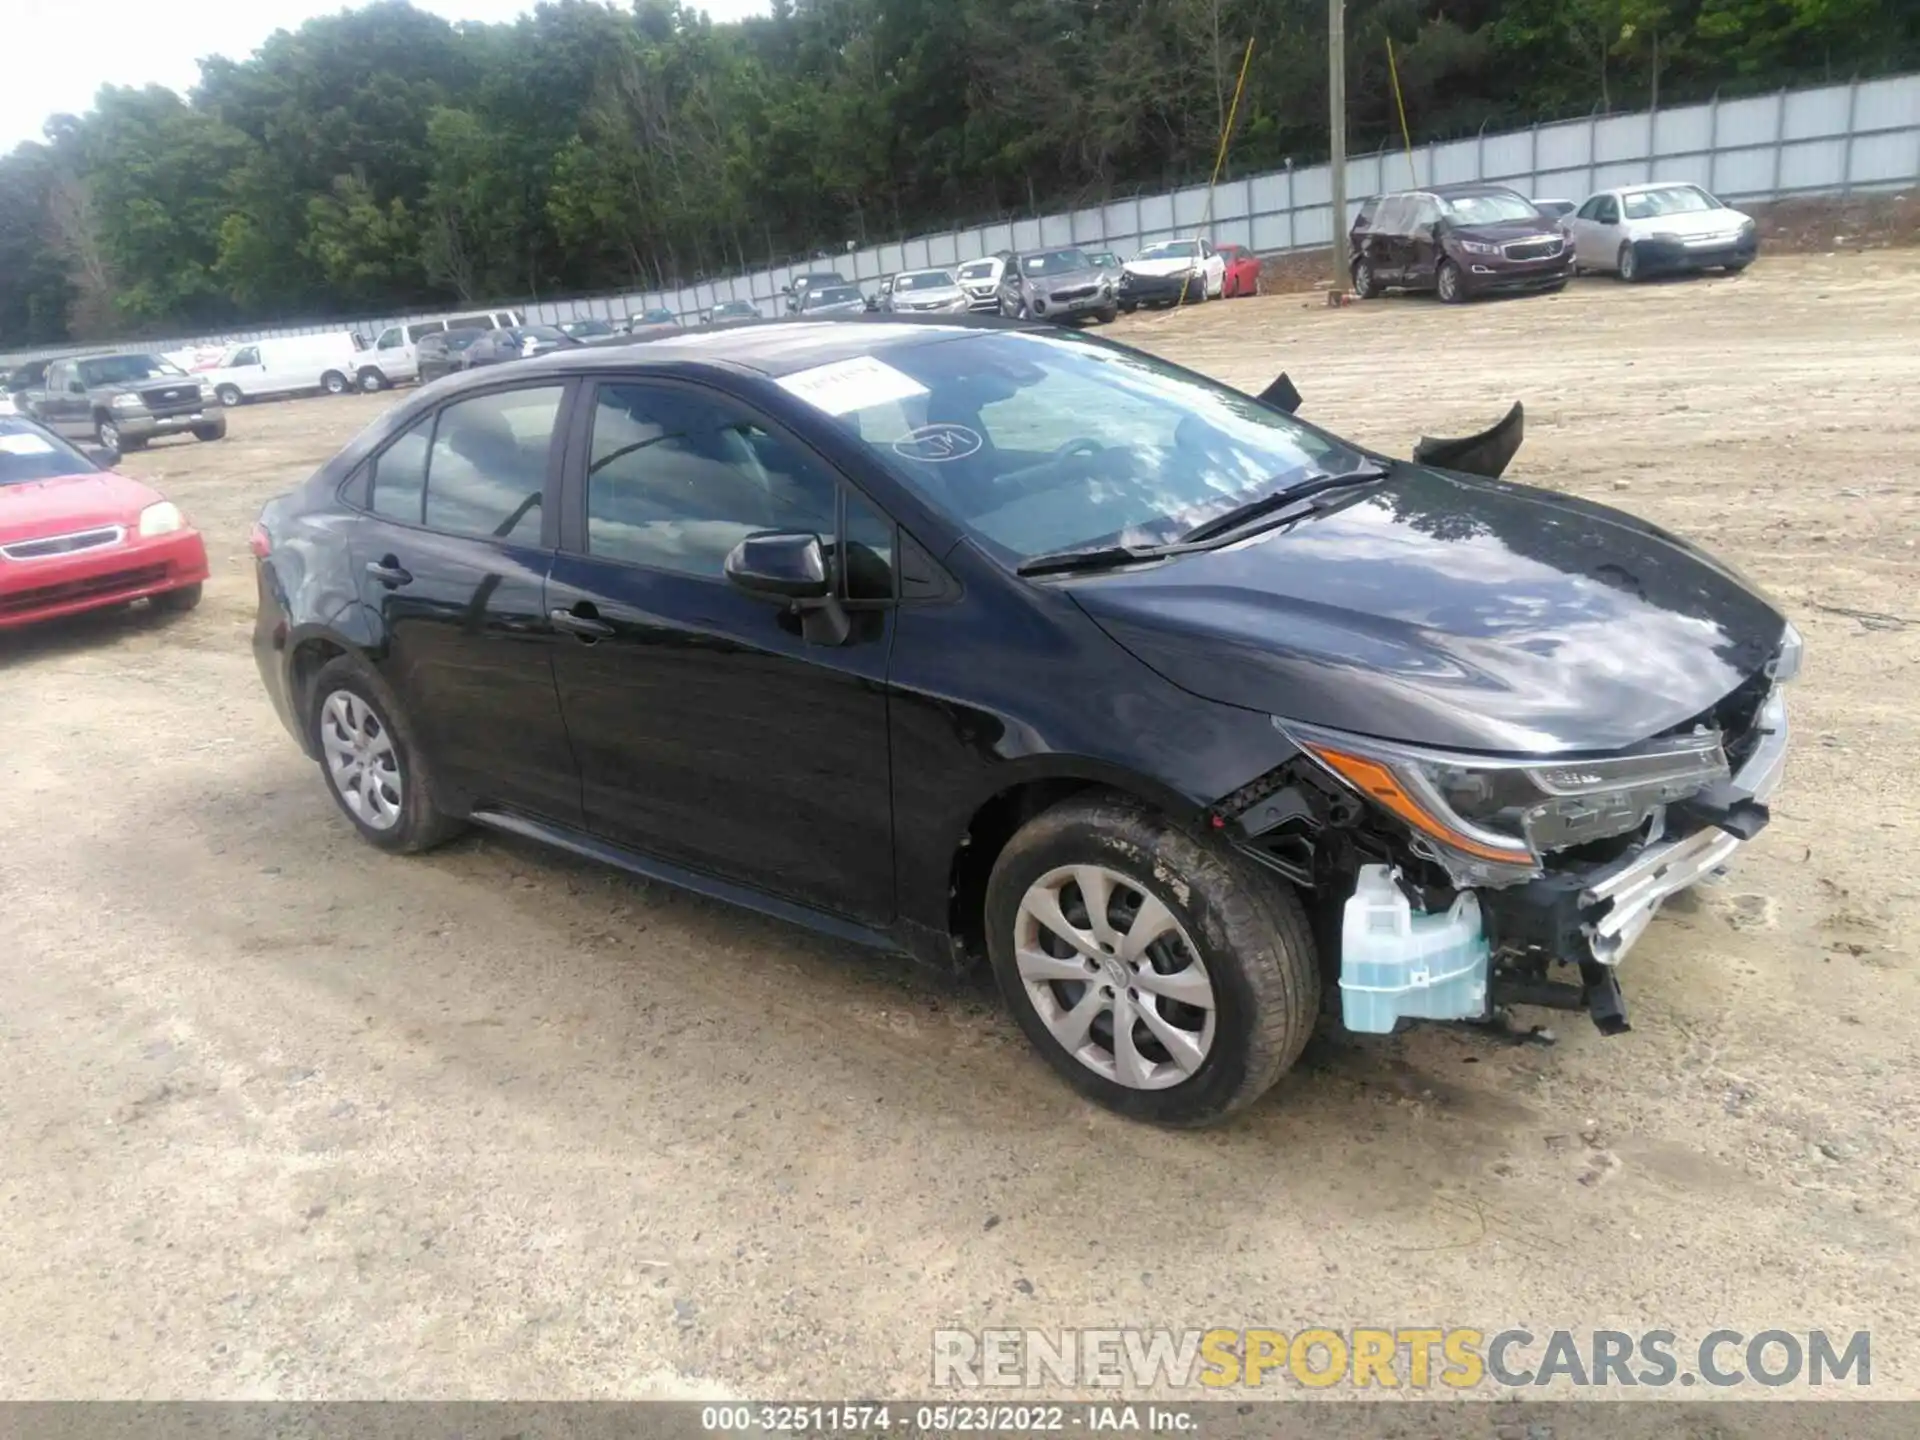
(1689, 223)
(928, 299)
(1171, 265)
(1065, 280)
(1449, 611)
(71, 502)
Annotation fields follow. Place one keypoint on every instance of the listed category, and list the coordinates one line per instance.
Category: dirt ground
(287, 1117)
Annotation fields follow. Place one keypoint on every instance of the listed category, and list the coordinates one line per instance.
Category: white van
(393, 358)
(287, 365)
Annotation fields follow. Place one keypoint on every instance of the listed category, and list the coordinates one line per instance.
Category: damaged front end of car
(1462, 884)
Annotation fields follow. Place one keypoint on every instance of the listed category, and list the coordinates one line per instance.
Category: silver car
(1059, 285)
(925, 292)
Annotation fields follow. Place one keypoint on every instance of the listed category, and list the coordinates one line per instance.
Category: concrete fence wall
(1838, 139)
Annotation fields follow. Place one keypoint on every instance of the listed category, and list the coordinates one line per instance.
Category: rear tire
(370, 381)
(230, 396)
(1365, 287)
(373, 769)
(177, 602)
(334, 383)
(1234, 941)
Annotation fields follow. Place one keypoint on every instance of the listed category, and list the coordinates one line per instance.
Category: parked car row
(1465, 241)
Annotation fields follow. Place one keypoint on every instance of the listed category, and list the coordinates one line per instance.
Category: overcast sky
(59, 52)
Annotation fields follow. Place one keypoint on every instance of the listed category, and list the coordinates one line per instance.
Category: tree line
(384, 158)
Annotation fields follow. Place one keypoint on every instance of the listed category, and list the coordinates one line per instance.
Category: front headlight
(1474, 812)
(127, 402)
(206, 391)
(1786, 664)
(1479, 247)
(162, 518)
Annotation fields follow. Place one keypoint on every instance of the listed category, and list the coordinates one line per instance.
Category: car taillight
(259, 541)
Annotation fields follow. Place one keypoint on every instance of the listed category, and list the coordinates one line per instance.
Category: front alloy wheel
(1363, 286)
(1114, 977)
(108, 434)
(1452, 286)
(1629, 264)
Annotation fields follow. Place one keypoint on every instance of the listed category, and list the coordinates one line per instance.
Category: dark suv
(1461, 241)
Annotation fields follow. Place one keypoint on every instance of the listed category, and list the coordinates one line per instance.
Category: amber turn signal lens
(1378, 783)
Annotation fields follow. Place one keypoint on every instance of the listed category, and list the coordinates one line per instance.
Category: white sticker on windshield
(25, 443)
(849, 385)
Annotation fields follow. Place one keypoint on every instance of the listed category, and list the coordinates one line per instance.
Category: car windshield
(730, 308)
(28, 453)
(1171, 250)
(925, 280)
(581, 329)
(1667, 200)
(1490, 207)
(657, 317)
(1040, 442)
(127, 369)
(458, 340)
(977, 270)
(542, 332)
(1105, 259)
(835, 295)
(1055, 262)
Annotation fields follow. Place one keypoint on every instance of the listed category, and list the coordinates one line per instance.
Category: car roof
(1651, 185)
(771, 348)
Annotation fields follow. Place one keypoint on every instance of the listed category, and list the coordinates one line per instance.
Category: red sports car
(75, 535)
(1243, 271)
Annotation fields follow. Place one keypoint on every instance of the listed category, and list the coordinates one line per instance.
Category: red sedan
(1243, 271)
(77, 536)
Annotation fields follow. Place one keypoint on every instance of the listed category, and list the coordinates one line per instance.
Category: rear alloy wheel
(334, 383)
(229, 396)
(371, 381)
(1452, 286)
(377, 775)
(1628, 265)
(1153, 969)
(1364, 286)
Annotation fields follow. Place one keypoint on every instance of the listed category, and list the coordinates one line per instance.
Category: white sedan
(1641, 230)
(1172, 271)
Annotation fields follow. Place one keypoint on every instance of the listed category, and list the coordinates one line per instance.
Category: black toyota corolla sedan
(999, 644)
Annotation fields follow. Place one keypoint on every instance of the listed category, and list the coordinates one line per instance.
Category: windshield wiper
(1280, 500)
(1101, 557)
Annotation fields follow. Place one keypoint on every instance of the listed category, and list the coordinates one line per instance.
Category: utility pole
(1337, 107)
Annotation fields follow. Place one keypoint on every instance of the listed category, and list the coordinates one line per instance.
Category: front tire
(177, 602)
(230, 396)
(374, 770)
(334, 383)
(209, 432)
(1451, 283)
(370, 381)
(1154, 969)
(1107, 316)
(1365, 287)
(1627, 266)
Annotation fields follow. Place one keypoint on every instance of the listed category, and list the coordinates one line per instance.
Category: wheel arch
(999, 816)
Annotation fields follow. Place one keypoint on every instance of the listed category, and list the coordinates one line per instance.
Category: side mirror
(102, 455)
(781, 564)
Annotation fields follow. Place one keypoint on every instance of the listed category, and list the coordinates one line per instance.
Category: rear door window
(487, 470)
(398, 475)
